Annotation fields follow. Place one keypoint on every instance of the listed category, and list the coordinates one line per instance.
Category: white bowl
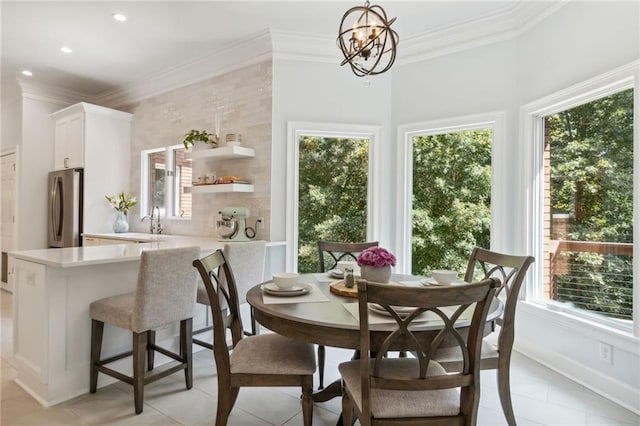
(285, 280)
(444, 276)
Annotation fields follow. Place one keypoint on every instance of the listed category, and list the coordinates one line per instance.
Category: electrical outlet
(605, 352)
(260, 223)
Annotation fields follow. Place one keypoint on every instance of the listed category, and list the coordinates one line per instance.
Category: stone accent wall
(243, 100)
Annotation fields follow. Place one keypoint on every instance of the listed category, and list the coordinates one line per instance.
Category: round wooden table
(330, 324)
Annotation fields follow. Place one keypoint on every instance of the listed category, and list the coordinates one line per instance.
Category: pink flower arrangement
(376, 257)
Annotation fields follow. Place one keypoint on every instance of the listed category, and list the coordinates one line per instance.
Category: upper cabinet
(97, 139)
(83, 130)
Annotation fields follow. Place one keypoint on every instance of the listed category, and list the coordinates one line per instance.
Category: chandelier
(367, 41)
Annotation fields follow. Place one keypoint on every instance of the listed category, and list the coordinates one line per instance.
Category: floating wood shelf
(223, 153)
(224, 187)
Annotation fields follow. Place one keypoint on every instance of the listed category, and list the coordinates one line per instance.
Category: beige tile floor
(540, 397)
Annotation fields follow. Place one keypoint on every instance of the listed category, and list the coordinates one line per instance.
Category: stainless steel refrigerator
(64, 216)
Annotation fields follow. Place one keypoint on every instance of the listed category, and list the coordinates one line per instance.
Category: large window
(584, 215)
(332, 196)
(332, 192)
(451, 203)
(165, 174)
(588, 200)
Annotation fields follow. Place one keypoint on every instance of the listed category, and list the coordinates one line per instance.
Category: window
(165, 174)
(451, 202)
(332, 192)
(332, 206)
(450, 191)
(584, 183)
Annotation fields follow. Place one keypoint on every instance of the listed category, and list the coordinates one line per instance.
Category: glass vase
(378, 275)
(121, 224)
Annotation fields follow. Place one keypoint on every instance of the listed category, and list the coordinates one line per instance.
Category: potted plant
(375, 264)
(203, 136)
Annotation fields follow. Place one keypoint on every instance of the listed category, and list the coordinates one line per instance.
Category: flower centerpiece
(375, 264)
(122, 203)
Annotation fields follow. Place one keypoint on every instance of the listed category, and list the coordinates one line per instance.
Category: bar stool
(165, 294)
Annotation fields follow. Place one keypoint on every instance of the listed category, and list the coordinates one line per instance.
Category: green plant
(121, 202)
(203, 136)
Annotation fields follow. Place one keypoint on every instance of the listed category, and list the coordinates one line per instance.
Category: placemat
(314, 295)
(374, 318)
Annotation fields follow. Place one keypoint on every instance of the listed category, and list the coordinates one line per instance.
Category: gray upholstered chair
(165, 294)
(510, 270)
(261, 360)
(329, 254)
(248, 261)
(417, 390)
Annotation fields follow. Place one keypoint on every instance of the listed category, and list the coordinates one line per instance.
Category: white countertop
(94, 255)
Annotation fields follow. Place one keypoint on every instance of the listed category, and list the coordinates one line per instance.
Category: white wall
(11, 124)
(580, 41)
(36, 160)
(327, 93)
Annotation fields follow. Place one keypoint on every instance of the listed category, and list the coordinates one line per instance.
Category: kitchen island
(53, 289)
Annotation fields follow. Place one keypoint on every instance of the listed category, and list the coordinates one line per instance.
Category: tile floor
(540, 397)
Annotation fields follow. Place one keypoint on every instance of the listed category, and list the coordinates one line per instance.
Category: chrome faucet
(157, 228)
(158, 225)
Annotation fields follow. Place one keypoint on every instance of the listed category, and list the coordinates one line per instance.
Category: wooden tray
(339, 288)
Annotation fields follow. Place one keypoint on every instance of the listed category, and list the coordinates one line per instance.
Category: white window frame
(170, 184)
(494, 121)
(295, 130)
(532, 127)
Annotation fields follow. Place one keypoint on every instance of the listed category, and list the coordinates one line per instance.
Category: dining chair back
(260, 360)
(417, 390)
(248, 260)
(511, 271)
(165, 293)
(330, 253)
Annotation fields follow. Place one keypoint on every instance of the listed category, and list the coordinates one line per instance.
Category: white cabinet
(69, 141)
(98, 139)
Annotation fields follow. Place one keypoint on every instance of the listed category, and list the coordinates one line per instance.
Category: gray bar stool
(165, 294)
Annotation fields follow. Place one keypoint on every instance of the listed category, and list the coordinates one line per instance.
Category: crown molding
(249, 51)
(50, 94)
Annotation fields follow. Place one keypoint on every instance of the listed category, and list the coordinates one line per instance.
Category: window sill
(568, 319)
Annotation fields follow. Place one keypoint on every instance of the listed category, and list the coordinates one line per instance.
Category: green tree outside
(451, 199)
(332, 192)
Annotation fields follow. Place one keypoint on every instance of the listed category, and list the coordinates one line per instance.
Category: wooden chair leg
(347, 411)
(151, 340)
(186, 349)
(307, 400)
(97, 330)
(139, 352)
(225, 404)
(321, 359)
(504, 389)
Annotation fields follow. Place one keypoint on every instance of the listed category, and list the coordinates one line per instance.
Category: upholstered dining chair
(329, 254)
(165, 293)
(248, 260)
(260, 360)
(510, 270)
(417, 390)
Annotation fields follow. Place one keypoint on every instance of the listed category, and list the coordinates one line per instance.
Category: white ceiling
(108, 55)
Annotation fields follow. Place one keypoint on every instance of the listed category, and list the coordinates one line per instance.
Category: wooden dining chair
(165, 294)
(510, 270)
(417, 390)
(248, 260)
(264, 360)
(329, 254)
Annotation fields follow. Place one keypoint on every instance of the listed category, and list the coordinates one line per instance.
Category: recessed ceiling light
(119, 17)
(27, 73)
(65, 49)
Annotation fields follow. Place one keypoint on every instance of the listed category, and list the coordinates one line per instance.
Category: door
(7, 213)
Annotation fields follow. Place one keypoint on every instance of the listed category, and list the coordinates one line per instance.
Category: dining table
(329, 318)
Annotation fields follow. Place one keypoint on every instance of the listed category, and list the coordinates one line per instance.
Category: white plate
(336, 273)
(430, 281)
(402, 311)
(297, 290)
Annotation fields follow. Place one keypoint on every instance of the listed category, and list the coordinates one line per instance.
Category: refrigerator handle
(56, 209)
